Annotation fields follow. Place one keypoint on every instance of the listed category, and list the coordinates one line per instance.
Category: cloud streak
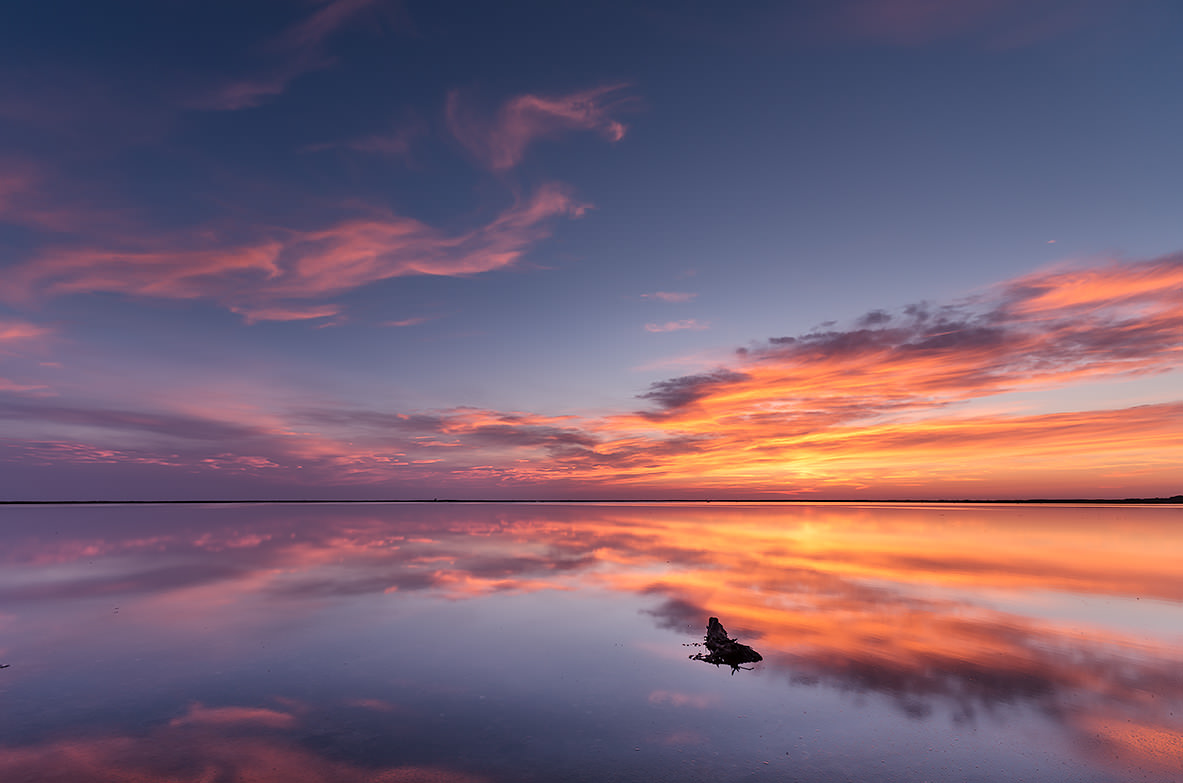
(13, 331)
(500, 142)
(681, 325)
(670, 296)
(261, 277)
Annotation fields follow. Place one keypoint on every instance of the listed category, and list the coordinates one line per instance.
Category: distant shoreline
(1173, 500)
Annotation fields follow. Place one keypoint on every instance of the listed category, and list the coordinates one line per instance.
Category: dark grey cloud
(680, 392)
(874, 318)
(170, 424)
(510, 434)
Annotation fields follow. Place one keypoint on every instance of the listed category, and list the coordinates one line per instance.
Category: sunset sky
(370, 249)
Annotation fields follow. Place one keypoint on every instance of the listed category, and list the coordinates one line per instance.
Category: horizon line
(1172, 500)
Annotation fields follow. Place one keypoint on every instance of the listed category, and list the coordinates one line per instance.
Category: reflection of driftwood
(726, 651)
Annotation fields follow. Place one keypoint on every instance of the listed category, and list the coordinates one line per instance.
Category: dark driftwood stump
(723, 650)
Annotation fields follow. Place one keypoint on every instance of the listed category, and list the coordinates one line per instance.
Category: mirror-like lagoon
(545, 642)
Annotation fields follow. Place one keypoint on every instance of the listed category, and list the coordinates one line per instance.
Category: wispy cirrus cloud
(670, 296)
(7, 385)
(13, 330)
(678, 326)
(289, 313)
(15, 338)
(414, 321)
(500, 142)
(265, 277)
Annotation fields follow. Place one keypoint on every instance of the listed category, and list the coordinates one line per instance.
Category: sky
(860, 249)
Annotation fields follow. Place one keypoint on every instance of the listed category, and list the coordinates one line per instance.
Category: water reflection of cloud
(886, 600)
(233, 716)
(676, 699)
(199, 754)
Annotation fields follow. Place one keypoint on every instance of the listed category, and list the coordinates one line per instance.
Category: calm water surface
(543, 642)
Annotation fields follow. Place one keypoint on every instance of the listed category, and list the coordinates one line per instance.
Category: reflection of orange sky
(1117, 740)
(901, 600)
(930, 605)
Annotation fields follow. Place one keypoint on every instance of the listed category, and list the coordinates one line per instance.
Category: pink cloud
(12, 331)
(258, 278)
(677, 326)
(670, 296)
(500, 143)
(56, 452)
(12, 386)
(15, 333)
(408, 321)
(254, 315)
(239, 462)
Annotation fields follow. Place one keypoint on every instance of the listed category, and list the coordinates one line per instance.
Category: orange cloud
(884, 401)
(500, 143)
(891, 407)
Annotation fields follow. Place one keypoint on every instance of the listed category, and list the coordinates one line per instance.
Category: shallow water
(541, 642)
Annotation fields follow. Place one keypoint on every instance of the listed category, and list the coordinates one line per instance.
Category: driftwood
(723, 650)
